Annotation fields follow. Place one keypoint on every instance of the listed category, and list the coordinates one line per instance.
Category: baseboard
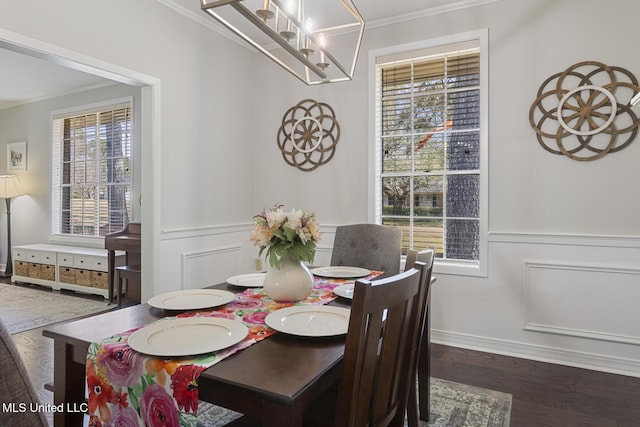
(584, 360)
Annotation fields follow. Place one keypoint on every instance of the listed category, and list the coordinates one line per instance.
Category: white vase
(291, 282)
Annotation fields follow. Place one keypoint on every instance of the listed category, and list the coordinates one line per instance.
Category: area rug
(452, 405)
(24, 308)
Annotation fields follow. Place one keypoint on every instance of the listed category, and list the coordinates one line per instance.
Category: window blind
(429, 118)
(91, 164)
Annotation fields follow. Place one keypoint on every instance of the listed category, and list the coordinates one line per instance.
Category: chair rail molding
(565, 239)
(188, 233)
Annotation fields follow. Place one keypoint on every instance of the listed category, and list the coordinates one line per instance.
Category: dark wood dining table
(274, 380)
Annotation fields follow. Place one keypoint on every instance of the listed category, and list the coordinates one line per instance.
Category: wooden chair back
(380, 350)
(418, 403)
(413, 255)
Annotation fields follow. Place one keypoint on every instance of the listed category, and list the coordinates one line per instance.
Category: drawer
(19, 254)
(33, 270)
(21, 268)
(65, 259)
(67, 274)
(41, 257)
(47, 272)
(90, 262)
(83, 277)
(99, 279)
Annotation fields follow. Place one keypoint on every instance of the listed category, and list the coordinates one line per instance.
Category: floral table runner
(127, 388)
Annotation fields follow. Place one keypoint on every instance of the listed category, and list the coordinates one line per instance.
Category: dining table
(275, 380)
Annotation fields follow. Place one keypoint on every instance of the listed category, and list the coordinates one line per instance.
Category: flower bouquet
(286, 234)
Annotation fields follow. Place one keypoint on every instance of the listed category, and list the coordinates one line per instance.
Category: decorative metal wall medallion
(308, 135)
(584, 112)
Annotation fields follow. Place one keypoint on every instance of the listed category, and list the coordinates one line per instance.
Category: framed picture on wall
(17, 156)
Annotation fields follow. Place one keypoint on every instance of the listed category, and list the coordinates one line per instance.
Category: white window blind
(91, 164)
(429, 135)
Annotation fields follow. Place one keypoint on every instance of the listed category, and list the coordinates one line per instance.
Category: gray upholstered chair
(16, 388)
(371, 246)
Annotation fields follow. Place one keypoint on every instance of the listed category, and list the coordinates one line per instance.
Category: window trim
(95, 241)
(454, 267)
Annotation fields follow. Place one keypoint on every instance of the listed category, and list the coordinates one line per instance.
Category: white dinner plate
(191, 299)
(251, 280)
(310, 320)
(344, 291)
(187, 336)
(341, 272)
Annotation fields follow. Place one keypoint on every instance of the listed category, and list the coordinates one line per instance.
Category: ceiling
(24, 78)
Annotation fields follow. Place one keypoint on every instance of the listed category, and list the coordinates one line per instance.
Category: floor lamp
(9, 188)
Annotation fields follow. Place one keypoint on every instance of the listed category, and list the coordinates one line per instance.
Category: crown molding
(218, 28)
(205, 21)
(463, 4)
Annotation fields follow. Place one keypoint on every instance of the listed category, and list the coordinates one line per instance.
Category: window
(91, 164)
(431, 147)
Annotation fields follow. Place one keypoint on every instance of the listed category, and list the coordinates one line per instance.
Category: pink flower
(230, 316)
(246, 304)
(127, 417)
(123, 365)
(255, 318)
(327, 286)
(157, 408)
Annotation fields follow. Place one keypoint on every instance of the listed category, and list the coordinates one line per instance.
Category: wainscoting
(565, 299)
(196, 265)
(201, 257)
(588, 301)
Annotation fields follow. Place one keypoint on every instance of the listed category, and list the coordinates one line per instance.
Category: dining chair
(413, 255)
(380, 349)
(418, 406)
(371, 246)
(16, 390)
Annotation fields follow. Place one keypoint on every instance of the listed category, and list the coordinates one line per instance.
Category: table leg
(68, 386)
(275, 415)
(112, 266)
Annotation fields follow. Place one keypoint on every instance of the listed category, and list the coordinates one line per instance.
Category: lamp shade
(10, 187)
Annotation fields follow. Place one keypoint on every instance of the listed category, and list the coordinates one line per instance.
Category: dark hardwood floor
(544, 394)
(37, 350)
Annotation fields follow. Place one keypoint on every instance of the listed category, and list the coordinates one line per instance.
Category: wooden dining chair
(413, 255)
(418, 406)
(379, 354)
(16, 388)
(371, 246)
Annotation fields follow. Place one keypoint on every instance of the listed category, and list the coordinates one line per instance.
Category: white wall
(31, 122)
(564, 244)
(197, 148)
